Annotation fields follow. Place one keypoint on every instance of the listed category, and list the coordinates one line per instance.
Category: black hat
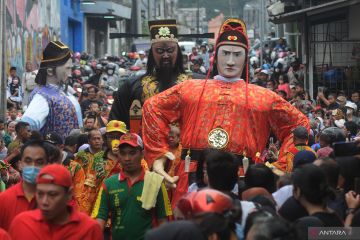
(53, 138)
(301, 132)
(163, 30)
(55, 54)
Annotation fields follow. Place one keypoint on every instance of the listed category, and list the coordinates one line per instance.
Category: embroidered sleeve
(284, 118)
(158, 112)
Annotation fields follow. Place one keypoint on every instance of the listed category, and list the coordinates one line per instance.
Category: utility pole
(230, 8)
(198, 18)
(3, 81)
(262, 23)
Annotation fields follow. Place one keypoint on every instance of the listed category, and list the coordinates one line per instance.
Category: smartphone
(342, 149)
(271, 140)
(321, 89)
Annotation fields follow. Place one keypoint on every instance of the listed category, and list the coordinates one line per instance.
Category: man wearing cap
(300, 139)
(263, 77)
(52, 108)
(55, 139)
(76, 171)
(20, 197)
(142, 60)
(351, 111)
(55, 218)
(164, 70)
(225, 112)
(121, 193)
(114, 130)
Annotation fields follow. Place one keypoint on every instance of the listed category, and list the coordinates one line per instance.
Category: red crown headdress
(233, 32)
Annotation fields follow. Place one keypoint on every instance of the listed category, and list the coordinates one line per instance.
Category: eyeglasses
(163, 50)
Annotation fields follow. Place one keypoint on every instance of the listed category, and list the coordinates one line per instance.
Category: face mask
(30, 173)
(110, 72)
(15, 82)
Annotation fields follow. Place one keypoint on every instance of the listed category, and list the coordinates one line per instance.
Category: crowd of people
(244, 154)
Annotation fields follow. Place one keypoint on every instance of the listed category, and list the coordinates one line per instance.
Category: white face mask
(110, 71)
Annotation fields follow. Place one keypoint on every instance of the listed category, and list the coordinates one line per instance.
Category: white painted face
(64, 71)
(231, 61)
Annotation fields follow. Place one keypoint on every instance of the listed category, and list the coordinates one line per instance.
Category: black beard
(166, 77)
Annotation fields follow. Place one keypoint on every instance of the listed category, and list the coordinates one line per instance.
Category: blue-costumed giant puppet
(52, 107)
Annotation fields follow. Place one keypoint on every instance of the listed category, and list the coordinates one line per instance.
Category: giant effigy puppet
(224, 112)
(52, 107)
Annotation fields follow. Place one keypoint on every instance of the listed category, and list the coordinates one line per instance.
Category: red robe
(222, 104)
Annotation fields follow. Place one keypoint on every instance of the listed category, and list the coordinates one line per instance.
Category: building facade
(214, 26)
(102, 18)
(71, 22)
(328, 40)
(29, 27)
(191, 20)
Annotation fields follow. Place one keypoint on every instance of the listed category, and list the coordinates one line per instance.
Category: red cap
(60, 175)
(132, 139)
(204, 201)
(210, 200)
(185, 205)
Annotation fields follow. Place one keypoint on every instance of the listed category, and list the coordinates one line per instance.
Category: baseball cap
(53, 138)
(351, 105)
(301, 132)
(304, 157)
(132, 139)
(341, 99)
(141, 52)
(60, 175)
(116, 126)
(265, 71)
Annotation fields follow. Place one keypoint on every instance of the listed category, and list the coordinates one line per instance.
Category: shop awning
(106, 8)
(326, 7)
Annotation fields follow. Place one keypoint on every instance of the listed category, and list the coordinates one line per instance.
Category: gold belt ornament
(90, 180)
(218, 138)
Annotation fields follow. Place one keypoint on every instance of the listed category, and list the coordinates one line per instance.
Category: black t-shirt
(329, 219)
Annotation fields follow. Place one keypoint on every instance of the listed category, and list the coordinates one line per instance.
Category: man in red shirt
(54, 218)
(20, 197)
